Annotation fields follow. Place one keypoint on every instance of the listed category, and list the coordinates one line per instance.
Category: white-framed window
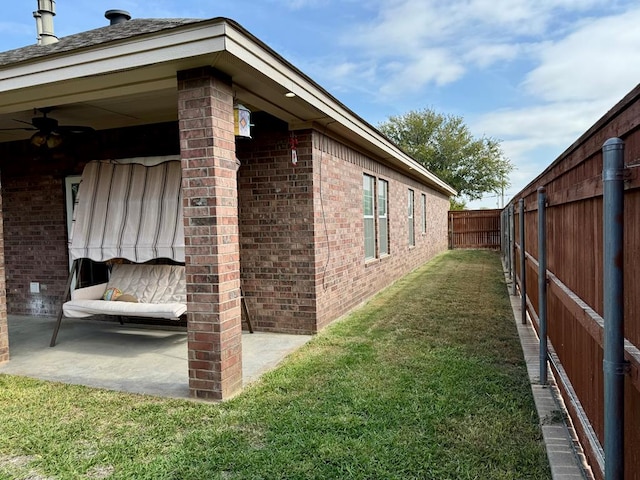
(424, 213)
(410, 218)
(368, 208)
(383, 217)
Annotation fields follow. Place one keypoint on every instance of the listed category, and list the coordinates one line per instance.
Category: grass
(427, 381)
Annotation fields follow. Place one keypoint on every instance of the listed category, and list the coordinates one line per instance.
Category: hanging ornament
(293, 144)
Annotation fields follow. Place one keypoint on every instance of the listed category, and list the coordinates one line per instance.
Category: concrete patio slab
(129, 358)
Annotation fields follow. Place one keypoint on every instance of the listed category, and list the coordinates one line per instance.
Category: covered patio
(129, 358)
(145, 88)
(263, 210)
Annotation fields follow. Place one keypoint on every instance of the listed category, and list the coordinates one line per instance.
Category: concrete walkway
(129, 358)
(564, 452)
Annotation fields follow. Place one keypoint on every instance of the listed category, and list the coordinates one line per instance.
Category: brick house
(310, 240)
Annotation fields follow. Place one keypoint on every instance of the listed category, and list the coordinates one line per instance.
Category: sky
(534, 74)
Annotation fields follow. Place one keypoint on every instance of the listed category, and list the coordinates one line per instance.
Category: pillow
(111, 293)
(126, 297)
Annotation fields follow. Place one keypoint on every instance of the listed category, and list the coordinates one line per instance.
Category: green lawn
(427, 381)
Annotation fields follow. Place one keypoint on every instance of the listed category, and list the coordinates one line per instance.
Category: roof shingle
(109, 33)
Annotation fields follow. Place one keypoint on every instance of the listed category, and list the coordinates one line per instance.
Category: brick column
(207, 145)
(4, 331)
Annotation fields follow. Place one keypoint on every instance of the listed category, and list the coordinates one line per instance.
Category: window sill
(374, 261)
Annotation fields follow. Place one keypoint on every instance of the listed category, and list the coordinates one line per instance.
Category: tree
(446, 147)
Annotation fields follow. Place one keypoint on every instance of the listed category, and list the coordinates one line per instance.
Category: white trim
(136, 52)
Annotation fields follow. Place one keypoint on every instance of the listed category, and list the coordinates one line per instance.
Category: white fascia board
(264, 61)
(125, 55)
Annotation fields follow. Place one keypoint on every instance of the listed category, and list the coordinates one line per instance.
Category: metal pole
(502, 234)
(509, 241)
(512, 248)
(542, 281)
(613, 363)
(65, 296)
(523, 268)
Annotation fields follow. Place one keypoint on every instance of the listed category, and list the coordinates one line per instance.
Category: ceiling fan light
(38, 139)
(54, 140)
(49, 140)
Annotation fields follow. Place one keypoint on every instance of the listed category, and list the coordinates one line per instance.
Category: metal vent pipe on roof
(44, 22)
(117, 16)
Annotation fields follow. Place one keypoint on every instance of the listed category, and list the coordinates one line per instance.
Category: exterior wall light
(241, 121)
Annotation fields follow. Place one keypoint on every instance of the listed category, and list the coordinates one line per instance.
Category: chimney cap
(117, 16)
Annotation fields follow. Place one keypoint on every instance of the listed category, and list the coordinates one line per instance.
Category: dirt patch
(100, 471)
(15, 461)
(17, 467)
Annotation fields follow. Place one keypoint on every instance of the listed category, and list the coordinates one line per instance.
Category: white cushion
(94, 292)
(150, 283)
(160, 290)
(86, 308)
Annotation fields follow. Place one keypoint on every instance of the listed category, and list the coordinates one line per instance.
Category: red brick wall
(301, 228)
(276, 228)
(343, 279)
(35, 242)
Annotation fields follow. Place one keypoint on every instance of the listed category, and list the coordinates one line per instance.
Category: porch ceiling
(142, 96)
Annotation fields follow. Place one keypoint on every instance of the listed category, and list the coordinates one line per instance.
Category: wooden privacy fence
(574, 279)
(474, 229)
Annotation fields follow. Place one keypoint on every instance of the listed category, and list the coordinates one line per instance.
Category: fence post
(512, 251)
(502, 236)
(509, 241)
(523, 269)
(542, 281)
(613, 363)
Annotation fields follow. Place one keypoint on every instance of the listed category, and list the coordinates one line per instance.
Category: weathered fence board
(574, 223)
(474, 229)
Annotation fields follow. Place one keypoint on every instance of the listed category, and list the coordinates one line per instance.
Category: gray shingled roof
(110, 33)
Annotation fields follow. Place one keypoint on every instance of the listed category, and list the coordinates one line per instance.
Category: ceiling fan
(49, 133)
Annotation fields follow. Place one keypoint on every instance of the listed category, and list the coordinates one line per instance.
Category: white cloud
(561, 65)
(578, 79)
(450, 38)
(486, 55)
(533, 137)
(549, 123)
(432, 66)
(599, 59)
